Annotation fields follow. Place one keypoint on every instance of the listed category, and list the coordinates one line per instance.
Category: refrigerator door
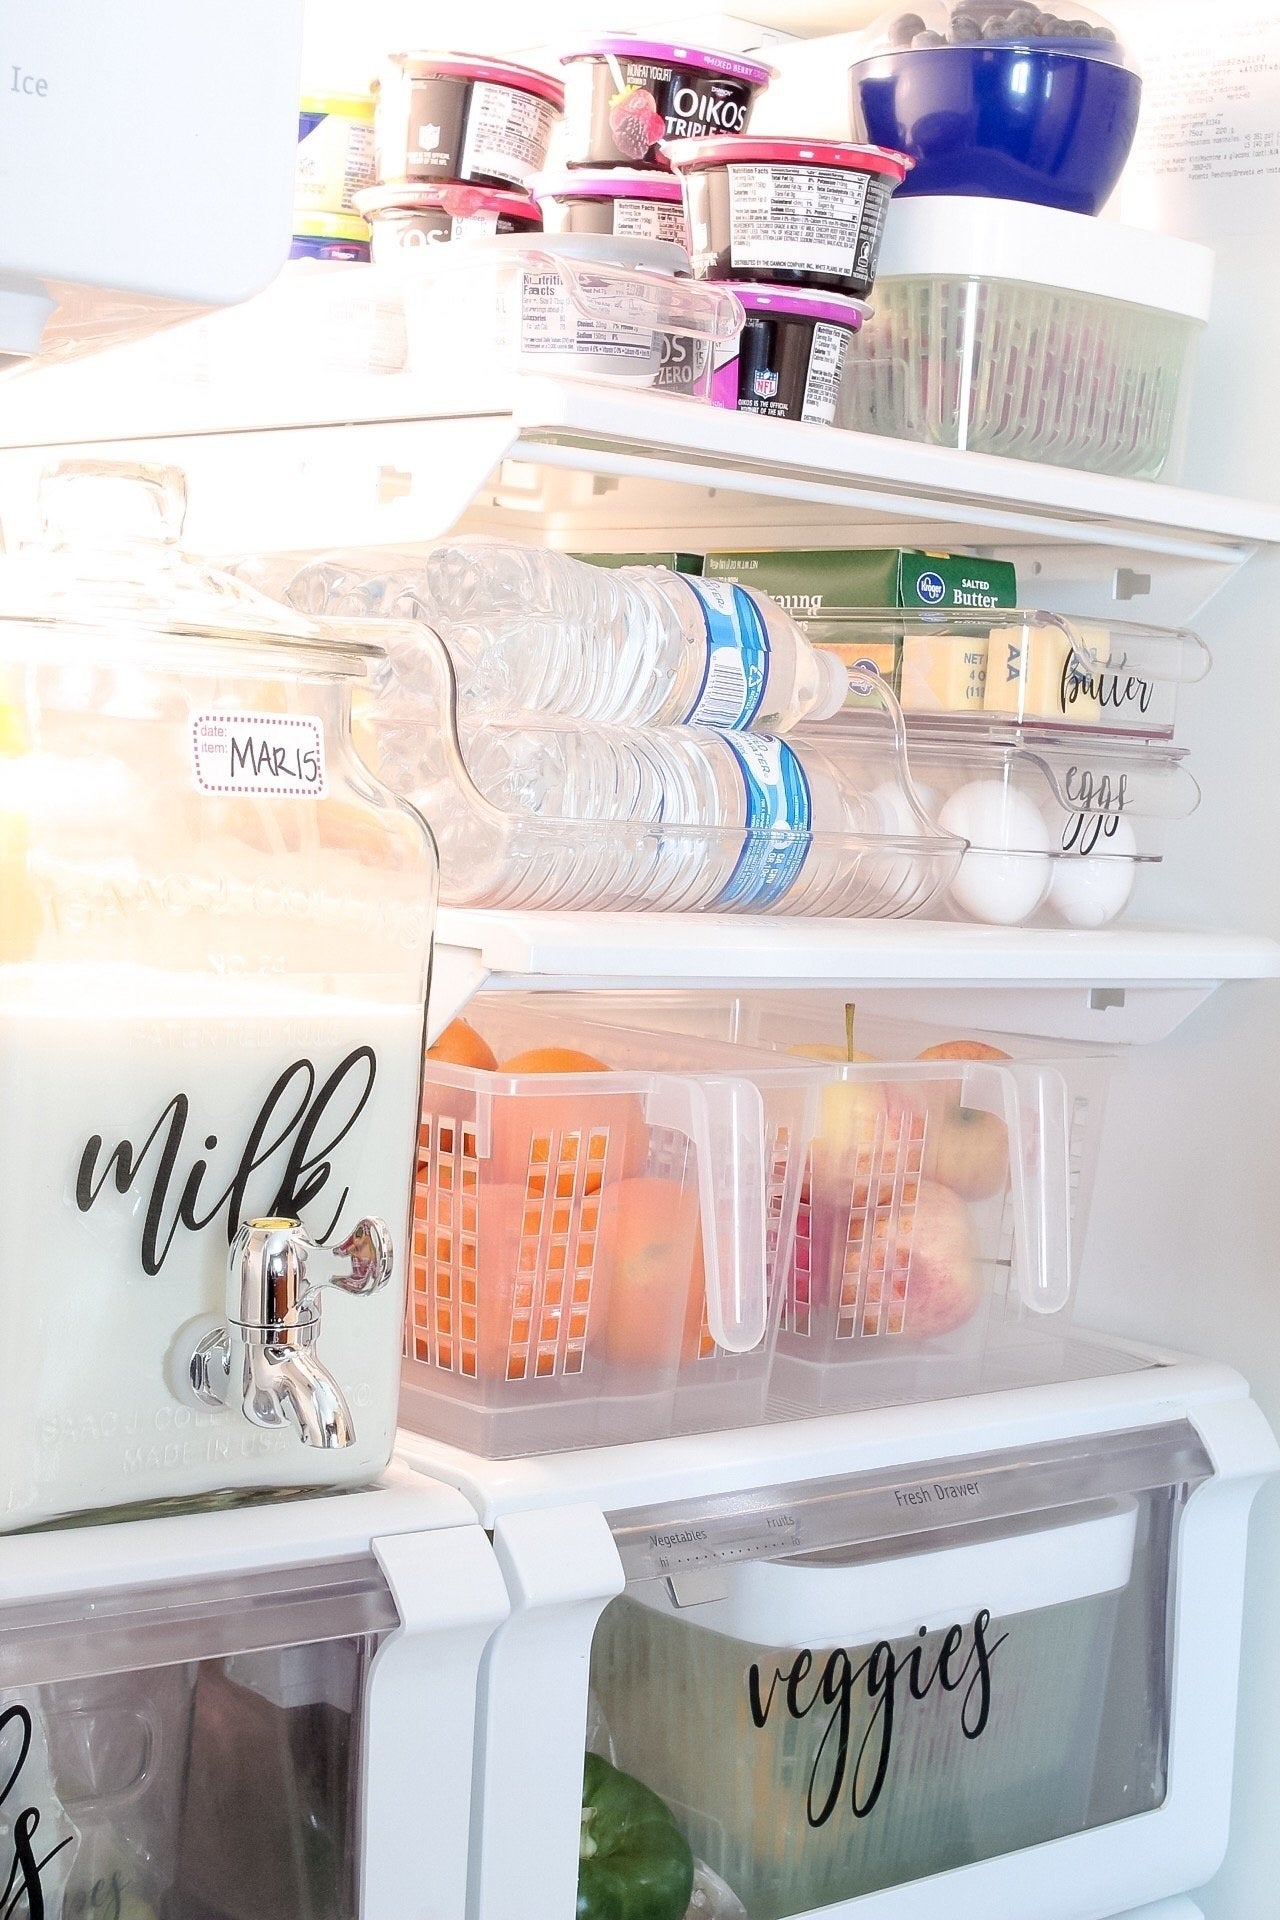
(271, 1712)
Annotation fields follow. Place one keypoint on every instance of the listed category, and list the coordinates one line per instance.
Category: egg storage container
(795, 213)
(943, 1192)
(576, 305)
(1087, 1543)
(272, 1711)
(802, 843)
(624, 97)
(407, 216)
(619, 201)
(213, 965)
(591, 1231)
(465, 117)
(1036, 334)
(1002, 100)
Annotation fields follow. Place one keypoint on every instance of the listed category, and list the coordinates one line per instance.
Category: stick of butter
(943, 672)
(1036, 674)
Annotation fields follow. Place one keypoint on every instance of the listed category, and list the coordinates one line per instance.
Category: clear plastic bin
(895, 862)
(942, 1201)
(1041, 335)
(591, 1250)
(245, 1715)
(1043, 741)
(857, 1683)
(585, 306)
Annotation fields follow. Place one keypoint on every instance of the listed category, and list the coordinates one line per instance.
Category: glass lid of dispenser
(109, 555)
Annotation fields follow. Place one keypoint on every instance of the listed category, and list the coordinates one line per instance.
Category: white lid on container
(954, 237)
(591, 250)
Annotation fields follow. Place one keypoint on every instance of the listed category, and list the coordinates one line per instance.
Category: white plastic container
(272, 1711)
(582, 305)
(1021, 330)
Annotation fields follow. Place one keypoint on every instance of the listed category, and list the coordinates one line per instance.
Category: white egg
(1088, 889)
(906, 883)
(1004, 875)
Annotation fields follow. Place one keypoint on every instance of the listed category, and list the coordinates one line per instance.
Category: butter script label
(890, 1682)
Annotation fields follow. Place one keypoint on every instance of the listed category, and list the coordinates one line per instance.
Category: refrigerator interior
(1185, 1216)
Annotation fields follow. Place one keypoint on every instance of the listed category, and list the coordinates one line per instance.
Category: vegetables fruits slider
(633, 1862)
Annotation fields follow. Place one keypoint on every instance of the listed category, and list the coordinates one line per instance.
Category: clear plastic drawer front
(843, 1686)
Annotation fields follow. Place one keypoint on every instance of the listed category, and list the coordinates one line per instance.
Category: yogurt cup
(614, 200)
(329, 236)
(335, 151)
(792, 354)
(794, 213)
(457, 116)
(624, 96)
(403, 216)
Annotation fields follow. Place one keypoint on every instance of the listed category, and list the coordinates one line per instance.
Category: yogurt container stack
(658, 134)
(459, 138)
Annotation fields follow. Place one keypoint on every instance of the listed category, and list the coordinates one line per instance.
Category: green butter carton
(678, 562)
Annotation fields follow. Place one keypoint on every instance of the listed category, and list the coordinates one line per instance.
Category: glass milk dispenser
(215, 934)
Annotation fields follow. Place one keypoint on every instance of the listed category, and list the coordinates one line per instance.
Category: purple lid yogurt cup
(670, 53)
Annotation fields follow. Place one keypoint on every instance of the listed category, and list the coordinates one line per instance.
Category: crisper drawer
(842, 1687)
(255, 1715)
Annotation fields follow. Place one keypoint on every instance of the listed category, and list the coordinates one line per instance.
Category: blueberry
(929, 39)
(904, 29)
(1076, 30)
(964, 29)
(1020, 22)
(995, 28)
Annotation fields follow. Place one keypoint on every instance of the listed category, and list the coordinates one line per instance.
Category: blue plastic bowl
(1051, 126)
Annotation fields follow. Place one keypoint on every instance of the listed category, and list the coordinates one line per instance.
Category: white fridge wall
(1185, 1231)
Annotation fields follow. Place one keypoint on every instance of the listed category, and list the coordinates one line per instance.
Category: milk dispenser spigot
(265, 1356)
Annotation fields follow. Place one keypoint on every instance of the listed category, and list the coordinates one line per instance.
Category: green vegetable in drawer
(634, 1863)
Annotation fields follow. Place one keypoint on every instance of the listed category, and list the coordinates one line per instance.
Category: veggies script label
(852, 1759)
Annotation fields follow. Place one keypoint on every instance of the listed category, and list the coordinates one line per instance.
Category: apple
(966, 1148)
(926, 1264)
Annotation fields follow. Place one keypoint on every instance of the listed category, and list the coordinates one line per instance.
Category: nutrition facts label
(826, 364)
(802, 217)
(507, 133)
(550, 323)
(649, 220)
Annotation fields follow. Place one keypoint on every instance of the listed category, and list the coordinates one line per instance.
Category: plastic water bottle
(533, 631)
(730, 821)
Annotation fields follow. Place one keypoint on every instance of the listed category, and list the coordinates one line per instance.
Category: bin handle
(729, 1131)
(1040, 1178)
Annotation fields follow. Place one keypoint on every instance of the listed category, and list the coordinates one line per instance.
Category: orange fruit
(461, 1046)
(558, 1142)
(656, 1283)
(962, 1050)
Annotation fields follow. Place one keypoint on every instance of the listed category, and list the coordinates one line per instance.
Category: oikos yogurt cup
(624, 96)
(617, 201)
(407, 217)
(455, 116)
(794, 213)
(792, 354)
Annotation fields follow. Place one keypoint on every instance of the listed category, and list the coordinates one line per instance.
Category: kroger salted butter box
(816, 585)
